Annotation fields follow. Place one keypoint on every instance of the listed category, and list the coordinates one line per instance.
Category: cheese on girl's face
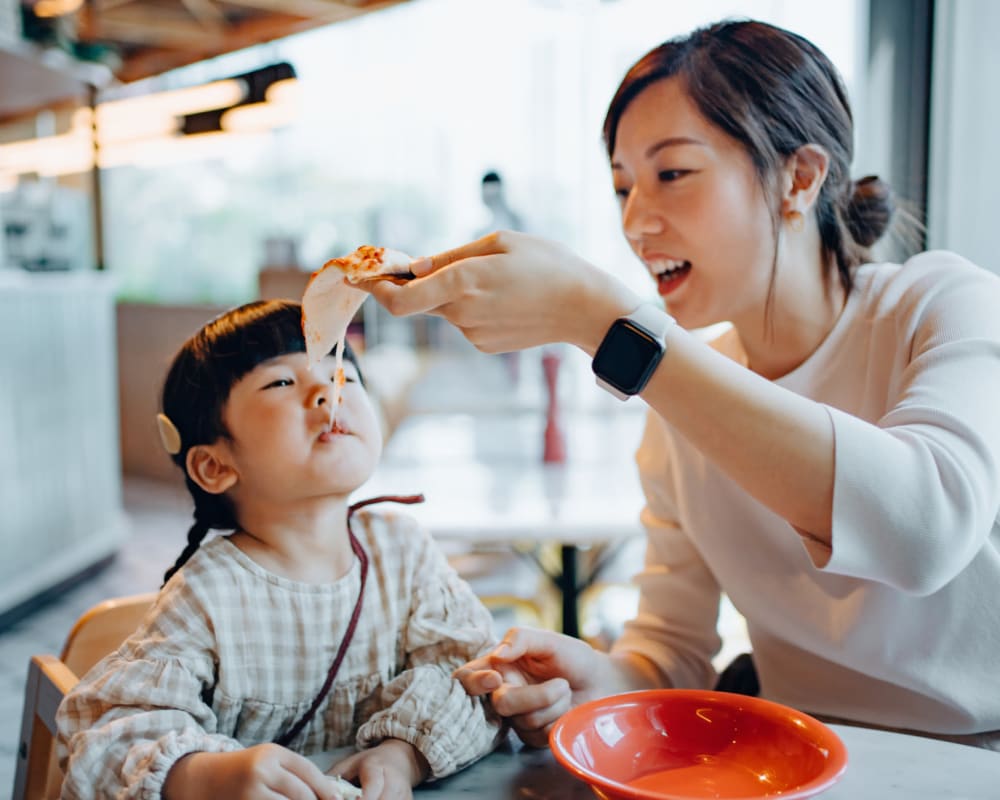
(330, 301)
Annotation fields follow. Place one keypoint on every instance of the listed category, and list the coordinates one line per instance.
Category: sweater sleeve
(141, 708)
(916, 493)
(423, 704)
(676, 624)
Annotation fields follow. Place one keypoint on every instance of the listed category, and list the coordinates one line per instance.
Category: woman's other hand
(387, 771)
(509, 291)
(533, 677)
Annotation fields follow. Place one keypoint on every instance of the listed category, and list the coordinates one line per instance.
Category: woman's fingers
(491, 244)
(533, 642)
(477, 682)
(534, 727)
(533, 698)
(427, 294)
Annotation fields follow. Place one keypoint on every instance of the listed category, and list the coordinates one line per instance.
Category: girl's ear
(805, 173)
(209, 468)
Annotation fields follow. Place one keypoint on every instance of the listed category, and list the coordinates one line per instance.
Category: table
(881, 766)
(485, 482)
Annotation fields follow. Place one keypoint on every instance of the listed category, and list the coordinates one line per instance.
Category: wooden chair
(99, 631)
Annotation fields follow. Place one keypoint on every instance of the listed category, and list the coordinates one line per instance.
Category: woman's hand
(387, 771)
(508, 291)
(533, 677)
(265, 771)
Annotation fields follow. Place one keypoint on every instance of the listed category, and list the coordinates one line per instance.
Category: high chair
(99, 631)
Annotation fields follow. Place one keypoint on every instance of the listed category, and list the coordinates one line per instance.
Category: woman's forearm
(627, 672)
(775, 444)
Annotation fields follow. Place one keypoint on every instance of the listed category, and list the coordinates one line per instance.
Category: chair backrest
(99, 631)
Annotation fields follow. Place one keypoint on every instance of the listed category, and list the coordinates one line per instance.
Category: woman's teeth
(670, 273)
(669, 267)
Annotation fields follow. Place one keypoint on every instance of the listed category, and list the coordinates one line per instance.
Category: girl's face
(282, 446)
(692, 208)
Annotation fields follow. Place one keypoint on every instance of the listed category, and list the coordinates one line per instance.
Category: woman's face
(278, 417)
(692, 208)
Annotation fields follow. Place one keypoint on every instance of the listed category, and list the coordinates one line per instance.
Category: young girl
(308, 627)
(831, 462)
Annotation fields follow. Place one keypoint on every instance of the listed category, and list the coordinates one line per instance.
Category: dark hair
(492, 177)
(197, 387)
(773, 91)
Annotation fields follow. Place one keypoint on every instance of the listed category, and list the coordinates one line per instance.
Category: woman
(832, 462)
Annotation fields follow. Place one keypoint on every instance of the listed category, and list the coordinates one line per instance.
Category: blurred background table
(485, 483)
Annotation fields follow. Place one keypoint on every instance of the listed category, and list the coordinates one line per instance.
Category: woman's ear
(209, 468)
(805, 173)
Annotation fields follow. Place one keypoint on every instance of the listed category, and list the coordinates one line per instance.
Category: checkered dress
(232, 656)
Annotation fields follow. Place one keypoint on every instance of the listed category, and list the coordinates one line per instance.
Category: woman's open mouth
(669, 273)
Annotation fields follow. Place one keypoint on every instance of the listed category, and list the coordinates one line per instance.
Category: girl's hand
(387, 771)
(533, 677)
(509, 291)
(265, 771)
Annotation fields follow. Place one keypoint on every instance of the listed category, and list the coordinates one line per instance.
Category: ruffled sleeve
(140, 709)
(424, 705)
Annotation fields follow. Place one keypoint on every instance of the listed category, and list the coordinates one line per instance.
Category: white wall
(964, 181)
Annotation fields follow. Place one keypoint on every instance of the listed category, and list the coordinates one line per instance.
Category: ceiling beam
(155, 60)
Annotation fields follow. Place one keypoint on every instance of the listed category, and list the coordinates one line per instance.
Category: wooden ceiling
(149, 37)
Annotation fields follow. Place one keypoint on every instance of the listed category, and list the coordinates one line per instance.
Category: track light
(141, 129)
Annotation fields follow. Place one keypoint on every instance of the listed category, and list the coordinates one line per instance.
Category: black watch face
(627, 357)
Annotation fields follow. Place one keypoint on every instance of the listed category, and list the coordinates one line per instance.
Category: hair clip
(170, 437)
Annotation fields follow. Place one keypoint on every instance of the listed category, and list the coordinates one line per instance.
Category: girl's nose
(640, 217)
(320, 395)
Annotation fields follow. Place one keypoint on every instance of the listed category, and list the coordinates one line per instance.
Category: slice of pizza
(330, 302)
(369, 263)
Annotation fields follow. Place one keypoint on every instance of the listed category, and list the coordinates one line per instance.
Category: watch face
(627, 356)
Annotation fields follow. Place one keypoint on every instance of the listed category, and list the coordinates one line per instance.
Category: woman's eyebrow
(670, 141)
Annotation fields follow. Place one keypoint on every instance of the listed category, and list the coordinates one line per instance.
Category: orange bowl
(679, 744)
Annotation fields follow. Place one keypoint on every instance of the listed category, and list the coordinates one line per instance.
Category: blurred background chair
(509, 583)
(99, 631)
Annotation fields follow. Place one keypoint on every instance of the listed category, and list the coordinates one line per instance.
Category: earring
(170, 437)
(796, 221)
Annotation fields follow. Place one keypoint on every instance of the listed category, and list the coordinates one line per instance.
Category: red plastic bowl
(679, 744)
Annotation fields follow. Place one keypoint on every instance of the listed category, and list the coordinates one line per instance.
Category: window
(403, 111)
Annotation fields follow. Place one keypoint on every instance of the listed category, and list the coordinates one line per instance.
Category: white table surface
(881, 766)
(484, 479)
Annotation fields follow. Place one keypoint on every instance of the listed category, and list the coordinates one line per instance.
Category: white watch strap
(655, 320)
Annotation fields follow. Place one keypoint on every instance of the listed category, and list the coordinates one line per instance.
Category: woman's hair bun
(870, 210)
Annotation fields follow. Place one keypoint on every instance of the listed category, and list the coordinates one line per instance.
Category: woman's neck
(803, 311)
(306, 542)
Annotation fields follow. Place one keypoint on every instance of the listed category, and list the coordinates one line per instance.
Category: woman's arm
(926, 474)
(511, 291)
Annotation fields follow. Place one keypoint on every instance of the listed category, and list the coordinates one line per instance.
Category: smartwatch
(631, 350)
